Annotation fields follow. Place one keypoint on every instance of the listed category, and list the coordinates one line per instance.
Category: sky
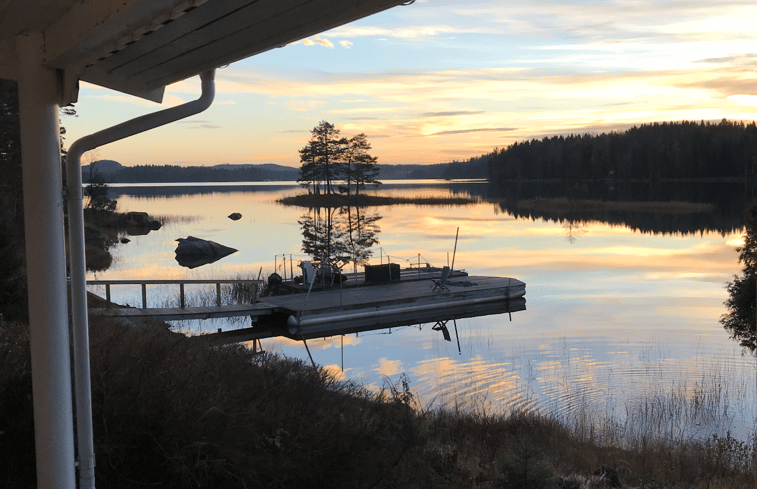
(444, 80)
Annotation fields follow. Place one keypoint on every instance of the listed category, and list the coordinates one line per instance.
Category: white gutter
(82, 387)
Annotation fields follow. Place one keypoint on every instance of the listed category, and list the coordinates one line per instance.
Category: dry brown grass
(169, 412)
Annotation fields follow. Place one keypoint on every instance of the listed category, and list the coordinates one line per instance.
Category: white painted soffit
(140, 46)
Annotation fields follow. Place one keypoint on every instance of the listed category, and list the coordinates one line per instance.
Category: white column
(46, 268)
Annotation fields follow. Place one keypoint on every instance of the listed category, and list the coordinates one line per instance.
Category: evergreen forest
(661, 150)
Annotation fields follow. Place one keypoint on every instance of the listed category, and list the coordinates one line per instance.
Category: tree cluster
(741, 319)
(97, 191)
(666, 150)
(331, 163)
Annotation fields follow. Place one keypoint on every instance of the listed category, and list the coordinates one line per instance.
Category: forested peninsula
(664, 150)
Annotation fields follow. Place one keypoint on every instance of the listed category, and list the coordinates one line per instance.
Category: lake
(621, 325)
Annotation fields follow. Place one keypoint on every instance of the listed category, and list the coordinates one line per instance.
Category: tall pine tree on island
(328, 158)
(321, 158)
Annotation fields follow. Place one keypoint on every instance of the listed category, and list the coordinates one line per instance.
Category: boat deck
(354, 308)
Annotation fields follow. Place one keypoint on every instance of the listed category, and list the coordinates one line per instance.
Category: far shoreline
(311, 200)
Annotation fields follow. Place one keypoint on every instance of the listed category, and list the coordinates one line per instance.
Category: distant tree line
(184, 174)
(330, 163)
(475, 167)
(675, 150)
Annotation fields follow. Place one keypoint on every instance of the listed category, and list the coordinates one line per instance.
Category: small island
(336, 171)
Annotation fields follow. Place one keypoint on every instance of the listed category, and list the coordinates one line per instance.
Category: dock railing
(180, 283)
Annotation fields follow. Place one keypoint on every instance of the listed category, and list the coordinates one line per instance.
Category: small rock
(235, 216)
(125, 240)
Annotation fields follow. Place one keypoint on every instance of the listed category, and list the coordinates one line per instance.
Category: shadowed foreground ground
(180, 414)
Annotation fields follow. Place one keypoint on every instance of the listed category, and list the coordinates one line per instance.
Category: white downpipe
(82, 387)
(46, 268)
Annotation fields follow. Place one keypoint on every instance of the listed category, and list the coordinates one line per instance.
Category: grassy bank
(170, 412)
(339, 200)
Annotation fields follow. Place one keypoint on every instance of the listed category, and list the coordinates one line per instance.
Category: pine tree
(361, 169)
(322, 156)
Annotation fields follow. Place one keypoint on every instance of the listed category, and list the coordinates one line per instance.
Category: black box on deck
(382, 273)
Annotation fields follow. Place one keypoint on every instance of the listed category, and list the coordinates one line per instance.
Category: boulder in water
(194, 252)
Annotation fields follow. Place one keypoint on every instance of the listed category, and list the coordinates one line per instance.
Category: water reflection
(340, 235)
(664, 208)
(624, 314)
(573, 229)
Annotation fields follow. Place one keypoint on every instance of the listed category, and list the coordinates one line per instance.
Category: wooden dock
(353, 308)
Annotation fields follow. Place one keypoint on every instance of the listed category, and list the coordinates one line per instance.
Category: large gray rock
(194, 252)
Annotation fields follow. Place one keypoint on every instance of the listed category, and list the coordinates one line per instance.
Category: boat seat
(308, 273)
(441, 282)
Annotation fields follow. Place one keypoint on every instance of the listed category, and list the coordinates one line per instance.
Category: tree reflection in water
(740, 320)
(341, 235)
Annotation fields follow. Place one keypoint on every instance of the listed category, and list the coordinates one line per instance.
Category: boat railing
(181, 283)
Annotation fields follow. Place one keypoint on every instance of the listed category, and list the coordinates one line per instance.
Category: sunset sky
(440, 80)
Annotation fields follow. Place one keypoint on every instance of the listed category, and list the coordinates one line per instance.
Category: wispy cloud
(451, 113)
(467, 131)
(318, 40)
(345, 44)
(207, 126)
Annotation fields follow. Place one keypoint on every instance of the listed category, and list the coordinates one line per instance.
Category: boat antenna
(454, 251)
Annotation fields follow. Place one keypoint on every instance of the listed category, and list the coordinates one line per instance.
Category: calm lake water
(621, 325)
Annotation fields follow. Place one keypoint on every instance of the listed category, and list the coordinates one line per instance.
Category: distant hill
(114, 172)
(103, 167)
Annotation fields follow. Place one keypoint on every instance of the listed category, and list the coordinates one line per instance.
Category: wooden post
(107, 295)
(218, 293)
(144, 296)
(181, 294)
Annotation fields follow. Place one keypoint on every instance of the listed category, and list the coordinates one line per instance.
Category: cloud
(466, 131)
(413, 32)
(345, 44)
(318, 40)
(451, 113)
(303, 105)
(207, 126)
